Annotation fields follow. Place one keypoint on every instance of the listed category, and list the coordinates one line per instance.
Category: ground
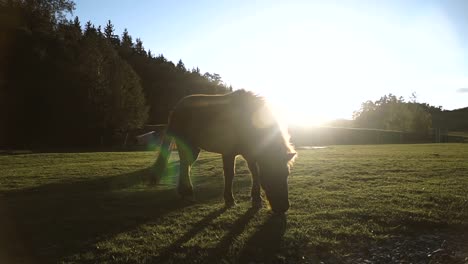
(349, 204)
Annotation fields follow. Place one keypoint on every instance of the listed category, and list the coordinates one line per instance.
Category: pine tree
(139, 49)
(181, 66)
(109, 34)
(76, 22)
(89, 28)
(127, 42)
(126, 45)
(109, 30)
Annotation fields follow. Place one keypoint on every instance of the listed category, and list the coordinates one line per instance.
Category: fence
(313, 136)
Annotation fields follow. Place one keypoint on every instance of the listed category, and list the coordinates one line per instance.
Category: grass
(348, 203)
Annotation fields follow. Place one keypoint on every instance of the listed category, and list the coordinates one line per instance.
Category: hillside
(454, 120)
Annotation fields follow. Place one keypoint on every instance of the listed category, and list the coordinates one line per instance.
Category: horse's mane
(246, 98)
(251, 102)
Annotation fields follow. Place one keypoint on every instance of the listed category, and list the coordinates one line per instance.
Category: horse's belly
(221, 140)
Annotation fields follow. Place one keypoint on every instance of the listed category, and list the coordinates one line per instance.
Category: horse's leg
(228, 167)
(187, 156)
(255, 192)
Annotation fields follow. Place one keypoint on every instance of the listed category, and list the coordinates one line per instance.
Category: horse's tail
(163, 157)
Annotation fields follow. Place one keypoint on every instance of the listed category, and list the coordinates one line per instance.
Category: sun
(292, 116)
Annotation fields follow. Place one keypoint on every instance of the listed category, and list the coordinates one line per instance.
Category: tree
(115, 101)
(215, 78)
(77, 23)
(139, 49)
(130, 105)
(393, 113)
(61, 85)
(181, 66)
(37, 13)
(89, 28)
(196, 70)
(109, 30)
(109, 34)
(127, 41)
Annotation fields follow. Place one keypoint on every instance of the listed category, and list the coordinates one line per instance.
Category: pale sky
(318, 59)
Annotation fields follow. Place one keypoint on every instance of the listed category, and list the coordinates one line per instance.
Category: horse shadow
(238, 227)
(265, 245)
(48, 223)
(175, 247)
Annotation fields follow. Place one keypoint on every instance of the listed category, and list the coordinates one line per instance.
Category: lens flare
(172, 171)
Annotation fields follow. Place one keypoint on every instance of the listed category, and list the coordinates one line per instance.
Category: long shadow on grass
(265, 244)
(176, 246)
(50, 222)
(222, 248)
(215, 254)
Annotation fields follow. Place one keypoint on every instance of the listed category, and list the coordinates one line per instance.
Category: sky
(314, 60)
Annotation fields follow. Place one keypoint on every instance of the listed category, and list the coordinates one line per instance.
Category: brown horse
(238, 123)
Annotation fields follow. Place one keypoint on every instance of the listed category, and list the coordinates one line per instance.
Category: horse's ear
(291, 155)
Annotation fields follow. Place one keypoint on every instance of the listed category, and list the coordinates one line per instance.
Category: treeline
(388, 120)
(67, 84)
(394, 113)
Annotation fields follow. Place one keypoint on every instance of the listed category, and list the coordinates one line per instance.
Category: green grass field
(349, 204)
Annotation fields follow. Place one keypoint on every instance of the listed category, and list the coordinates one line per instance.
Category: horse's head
(274, 172)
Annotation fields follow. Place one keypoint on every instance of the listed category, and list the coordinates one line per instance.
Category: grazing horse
(238, 123)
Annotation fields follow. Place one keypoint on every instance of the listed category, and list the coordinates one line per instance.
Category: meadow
(349, 204)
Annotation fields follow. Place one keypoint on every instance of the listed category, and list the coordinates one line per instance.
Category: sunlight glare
(325, 59)
(294, 117)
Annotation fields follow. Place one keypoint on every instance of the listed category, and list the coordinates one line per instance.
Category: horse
(237, 123)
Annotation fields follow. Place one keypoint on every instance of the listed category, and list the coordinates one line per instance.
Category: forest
(64, 82)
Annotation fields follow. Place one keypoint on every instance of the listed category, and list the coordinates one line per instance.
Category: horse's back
(209, 122)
